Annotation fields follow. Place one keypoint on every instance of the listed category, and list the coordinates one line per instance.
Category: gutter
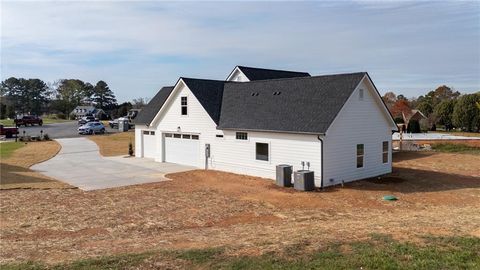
(321, 169)
(272, 131)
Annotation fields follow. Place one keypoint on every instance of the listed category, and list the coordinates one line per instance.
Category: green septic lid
(389, 198)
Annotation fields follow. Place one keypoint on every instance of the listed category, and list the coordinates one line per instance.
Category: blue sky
(138, 47)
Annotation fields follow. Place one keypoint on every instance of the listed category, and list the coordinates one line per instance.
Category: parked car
(86, 119)
(8, 131)
(92, 128)
(28, 120)
(113, 123)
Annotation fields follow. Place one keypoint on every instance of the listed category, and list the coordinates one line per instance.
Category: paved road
(57, 130)
(79, 163)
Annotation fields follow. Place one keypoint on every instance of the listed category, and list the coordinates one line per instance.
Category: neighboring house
(254, 121)
(412, 115)
(81, 111)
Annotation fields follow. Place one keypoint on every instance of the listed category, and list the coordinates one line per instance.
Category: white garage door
(182, 149)
(149, 143)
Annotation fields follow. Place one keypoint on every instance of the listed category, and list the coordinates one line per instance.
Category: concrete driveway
(80, 164)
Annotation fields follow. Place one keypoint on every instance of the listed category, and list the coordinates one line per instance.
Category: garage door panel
(149, 144)
(182, 150)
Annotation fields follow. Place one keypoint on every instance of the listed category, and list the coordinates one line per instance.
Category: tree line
(20, 96)
(442, 107)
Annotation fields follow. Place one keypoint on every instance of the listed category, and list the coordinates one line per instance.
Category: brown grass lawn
(439, 195)
(115, 144)
(15, 172)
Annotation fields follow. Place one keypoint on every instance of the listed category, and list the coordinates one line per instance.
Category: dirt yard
(15, 172)
(114, 144)
(438, 193)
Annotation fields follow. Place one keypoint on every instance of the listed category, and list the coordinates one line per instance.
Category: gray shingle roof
(304, 105)
(255, 74)
(209, 93)
(146, 115)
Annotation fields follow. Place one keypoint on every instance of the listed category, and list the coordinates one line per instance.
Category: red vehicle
(29, 120)
(8, 131)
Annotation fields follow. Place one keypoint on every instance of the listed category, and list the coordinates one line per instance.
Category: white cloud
(144, 44)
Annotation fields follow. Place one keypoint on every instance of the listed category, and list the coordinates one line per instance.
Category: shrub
(46, 137)
(130, 149)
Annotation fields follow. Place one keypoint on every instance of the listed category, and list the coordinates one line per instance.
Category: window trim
(362, 156)
(241, 132)
(184, 106)
(268, 152)
(387, 152)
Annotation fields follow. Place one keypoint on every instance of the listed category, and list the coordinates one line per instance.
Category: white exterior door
(149, 144)
(182, 149)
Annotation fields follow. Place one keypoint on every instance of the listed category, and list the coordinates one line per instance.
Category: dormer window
(184, 103)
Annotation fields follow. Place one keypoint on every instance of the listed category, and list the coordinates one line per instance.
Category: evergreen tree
(103, 96)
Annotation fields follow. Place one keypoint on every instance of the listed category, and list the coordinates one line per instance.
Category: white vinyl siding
(359, 122)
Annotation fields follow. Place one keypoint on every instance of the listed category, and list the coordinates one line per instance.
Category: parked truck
(28, 120)
(8, 132)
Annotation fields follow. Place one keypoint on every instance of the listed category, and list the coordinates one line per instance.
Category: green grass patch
(7, 148)
(455, 148)
(380, 252)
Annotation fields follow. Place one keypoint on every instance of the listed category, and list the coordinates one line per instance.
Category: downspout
(321, 162)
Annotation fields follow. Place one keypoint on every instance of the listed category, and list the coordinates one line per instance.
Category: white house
(81, 111)
(259, 118)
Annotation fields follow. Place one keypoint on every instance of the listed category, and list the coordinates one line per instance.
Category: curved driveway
(80, 164)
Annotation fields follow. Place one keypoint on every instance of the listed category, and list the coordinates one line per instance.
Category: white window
(385, 152)
(360, 155)
(261, 151)
(184, 103)
(360, 94)
(242, 136)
